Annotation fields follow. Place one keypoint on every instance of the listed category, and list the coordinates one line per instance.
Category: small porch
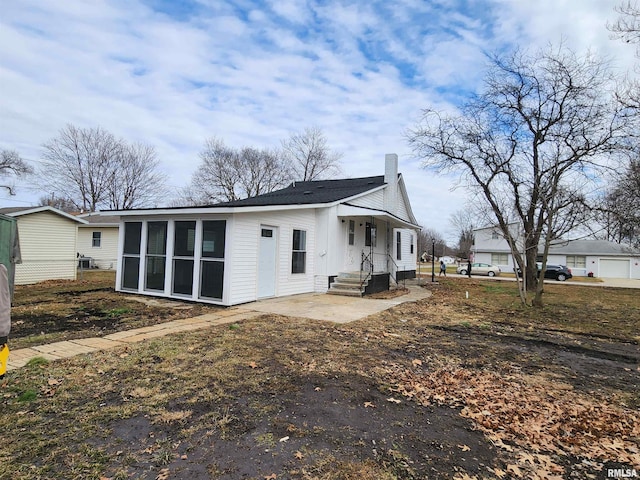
(379, 253)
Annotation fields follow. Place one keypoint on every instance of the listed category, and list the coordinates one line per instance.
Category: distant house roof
(590, 247)
(20, 211)
(312, 192)
(97, 219)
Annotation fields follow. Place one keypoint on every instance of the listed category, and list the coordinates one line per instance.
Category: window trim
(97, 244)
(399, 245)
(300, 252)
(352, 232)
(153, 257)
(370, 235)
(496, 258)
(134, 254)
(572, 261)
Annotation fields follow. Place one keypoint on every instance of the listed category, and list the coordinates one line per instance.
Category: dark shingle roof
(306, 193)
(97, 219)
(8, 210)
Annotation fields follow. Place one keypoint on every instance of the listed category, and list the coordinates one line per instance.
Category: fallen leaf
(369, 404)
(124, 355)
(298, 455)
(499, 473)
(393, 400)
(53, 381)
(253, 364)
(317, 389)
(163, 474)
(183, 457)
(464, 448)
(416, 362)
(284, 439)
(273, 476)
(515, 470)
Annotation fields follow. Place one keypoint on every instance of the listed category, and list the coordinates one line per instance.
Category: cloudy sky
(173, 73)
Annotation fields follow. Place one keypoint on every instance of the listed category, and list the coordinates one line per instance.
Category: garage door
(610, 268)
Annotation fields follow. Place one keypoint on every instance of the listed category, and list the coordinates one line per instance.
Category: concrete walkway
(311, 305)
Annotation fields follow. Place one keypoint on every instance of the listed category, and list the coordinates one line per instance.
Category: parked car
(554, 272)
(557, 272)
(479, 269)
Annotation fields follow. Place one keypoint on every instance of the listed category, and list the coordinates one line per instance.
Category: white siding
(402, 210)
(48, 248)
(372, 200)
(408, 259)
(106, 254)
(242, 264)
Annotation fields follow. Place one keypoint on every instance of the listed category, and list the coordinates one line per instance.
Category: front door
(267, 262)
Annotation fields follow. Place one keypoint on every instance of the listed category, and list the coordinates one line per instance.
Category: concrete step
(351, 275)
(349, 280)
(347, 286)
(344, 292)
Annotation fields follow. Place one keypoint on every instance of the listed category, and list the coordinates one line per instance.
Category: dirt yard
(448, 387)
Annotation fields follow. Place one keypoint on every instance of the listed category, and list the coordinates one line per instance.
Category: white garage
(615, 268)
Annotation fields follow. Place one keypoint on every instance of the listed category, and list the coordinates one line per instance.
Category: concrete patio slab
(334, 308)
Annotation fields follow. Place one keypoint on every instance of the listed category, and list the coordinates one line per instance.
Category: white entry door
(267, 257)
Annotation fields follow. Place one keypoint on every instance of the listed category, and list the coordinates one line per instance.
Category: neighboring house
(98, 240)
(48, 243)
(9, 247)
(291, 241)
(599, 257)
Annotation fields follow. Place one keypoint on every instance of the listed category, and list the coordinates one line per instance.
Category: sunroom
(175, 258)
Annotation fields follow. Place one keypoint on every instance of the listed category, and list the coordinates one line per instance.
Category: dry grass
(63, 310)
(304, 399)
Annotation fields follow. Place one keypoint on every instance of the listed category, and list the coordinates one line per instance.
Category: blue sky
(173, 74)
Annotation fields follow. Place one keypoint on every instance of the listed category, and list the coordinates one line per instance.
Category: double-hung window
(299, 252)
(96, 239)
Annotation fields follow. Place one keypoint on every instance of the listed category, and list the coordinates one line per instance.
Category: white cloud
(251, 74)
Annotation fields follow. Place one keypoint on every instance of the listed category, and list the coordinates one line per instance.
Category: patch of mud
(323, 423)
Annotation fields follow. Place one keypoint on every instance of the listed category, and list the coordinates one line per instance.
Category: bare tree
(618, 213)
(228, 174)
(61, 203)
(430, 240)
(627, 26)
(309, 157)
(530, 144)
(462, 222)
(136, 180)
(627, 29)
(80, 162)
(12, 165)
(260, 171)
(95, 169)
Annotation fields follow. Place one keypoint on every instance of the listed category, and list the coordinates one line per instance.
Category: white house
(98, 240)
(599, 257)
(48, 243)
(295, 240)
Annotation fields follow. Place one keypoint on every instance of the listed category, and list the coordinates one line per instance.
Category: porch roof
(347, 210)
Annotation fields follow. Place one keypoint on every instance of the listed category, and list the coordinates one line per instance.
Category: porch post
(433, 260)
